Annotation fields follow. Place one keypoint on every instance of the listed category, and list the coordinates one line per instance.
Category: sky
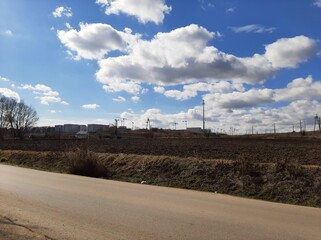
(254, 63)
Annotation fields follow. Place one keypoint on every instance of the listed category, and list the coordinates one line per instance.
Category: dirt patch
(10, 230)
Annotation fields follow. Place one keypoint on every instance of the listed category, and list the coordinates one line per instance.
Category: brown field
(305, 151)
(283, 169)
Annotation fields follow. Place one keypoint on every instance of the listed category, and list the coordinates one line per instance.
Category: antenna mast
(148, 124)
(203, 115)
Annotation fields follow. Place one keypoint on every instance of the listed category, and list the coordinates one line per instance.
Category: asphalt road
(58, 206)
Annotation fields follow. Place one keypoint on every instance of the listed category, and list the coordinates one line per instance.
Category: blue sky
(255, 63)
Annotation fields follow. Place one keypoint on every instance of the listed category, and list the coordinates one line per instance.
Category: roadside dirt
(11, 230)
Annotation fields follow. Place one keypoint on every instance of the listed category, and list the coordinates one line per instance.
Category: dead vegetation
(83, 162)
(283, 181)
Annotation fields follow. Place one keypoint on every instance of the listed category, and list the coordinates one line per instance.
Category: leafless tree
(18, 116)
(3, 116)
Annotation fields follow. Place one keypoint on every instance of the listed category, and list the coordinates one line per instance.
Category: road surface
(58, 206)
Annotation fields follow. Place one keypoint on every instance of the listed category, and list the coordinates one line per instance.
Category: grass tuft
(86, 163)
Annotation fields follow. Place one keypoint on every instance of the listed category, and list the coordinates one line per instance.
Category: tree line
(17, 117)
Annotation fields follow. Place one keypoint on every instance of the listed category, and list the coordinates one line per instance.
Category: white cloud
(4, 79)
(94, 41)
(68, 25)
(118, 86)
(246, 109)
(289, 52)
(300, 88)
(181, 56)
(297, 89)
(62, 11)
(54, 111)
(241, 99)
(231, 10)
(119, 99)
(256, 28)
(6, 92)
(159, 89)
(44, 93)
(192, 90)
(90, 106)
(144, 10)
(317, 3)
(135, 99)
(8, 33)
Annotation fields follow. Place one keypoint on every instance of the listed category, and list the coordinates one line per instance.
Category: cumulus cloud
(317, 3)
(119, 99)
(44, 93)
(241, 99)
(118, 86)
(289, 52)
(90, 106)
(4, 79)
(297, 89)
(62, 11)
(159, 89)
(256, 28)
(94, 41)
(242, 110)
(135, 99)
(231, 10)
(8, 33)
(144, 10)
(6, 92)
(191, 90)
(300, 88)
(181, 56)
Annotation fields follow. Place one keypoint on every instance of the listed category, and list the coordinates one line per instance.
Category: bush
(85, 163)
(3, 159)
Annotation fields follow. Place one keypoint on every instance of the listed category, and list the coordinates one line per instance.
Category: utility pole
(185, 121)
(274, 128)
(116, 126)
(123, 121)
(203, 115)
(175, 123)
(316, 121)
(300, 126)
(132, 125)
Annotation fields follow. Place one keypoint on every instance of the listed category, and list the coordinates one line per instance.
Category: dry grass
(283, 181)
(83, 162)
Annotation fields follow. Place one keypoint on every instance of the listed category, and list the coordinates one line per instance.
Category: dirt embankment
(281, 181)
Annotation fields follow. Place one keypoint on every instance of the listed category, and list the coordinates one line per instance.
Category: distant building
(59, 128)
(70, 128)
(194, 129)
(97, 127)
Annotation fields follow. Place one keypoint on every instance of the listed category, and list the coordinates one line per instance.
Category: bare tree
(19, 117)
(3, 116)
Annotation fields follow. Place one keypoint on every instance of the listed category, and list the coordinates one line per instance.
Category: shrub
(3, 159)
(85, 163)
